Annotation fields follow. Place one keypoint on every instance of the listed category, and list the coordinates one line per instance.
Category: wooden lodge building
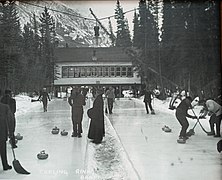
(88, 66)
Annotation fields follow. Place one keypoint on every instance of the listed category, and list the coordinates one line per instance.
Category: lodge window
(88, 72)
(71, 71)
(82, 72)
(112, 71)
(65, 72)
(93, 71)
(99, 71)
(77, 72)
(118, 71)
(105, 71)
(129, 72)
(123, 72)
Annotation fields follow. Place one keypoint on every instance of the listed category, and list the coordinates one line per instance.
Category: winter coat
(110, 94)
(10, 102)
(96, 113)
(44, 96)
(214, 107)
(183, 108)
(147, 96)
(77, 102)
(6, 122)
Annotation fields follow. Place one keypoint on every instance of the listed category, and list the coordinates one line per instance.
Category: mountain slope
(70, 27)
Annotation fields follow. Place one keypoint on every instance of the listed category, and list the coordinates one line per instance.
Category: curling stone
(163, 128)
(42, 155)
(181, 141)
(55, 130)
(18, 136)
(64, 133)
(166, 129)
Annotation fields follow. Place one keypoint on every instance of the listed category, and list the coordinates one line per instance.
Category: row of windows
(92, 71)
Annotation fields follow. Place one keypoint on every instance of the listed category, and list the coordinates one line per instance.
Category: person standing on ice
(44, 97)
(96, 114)
(6, 129)
(7, 99)
(182, 114)
(148, 100)
(215, 112)
(110, 94)
(77, 101)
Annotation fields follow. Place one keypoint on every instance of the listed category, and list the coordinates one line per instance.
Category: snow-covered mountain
(70, 28)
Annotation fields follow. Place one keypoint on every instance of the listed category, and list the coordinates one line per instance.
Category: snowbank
(24, 104)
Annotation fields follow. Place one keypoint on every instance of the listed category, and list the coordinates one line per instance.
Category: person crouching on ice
(182, 114)
(215, 111)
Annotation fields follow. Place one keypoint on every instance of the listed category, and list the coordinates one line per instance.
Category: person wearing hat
(96, 113)
(77, 101)
(6, 129)
(182, 114)
(7, 99)
(44, 96)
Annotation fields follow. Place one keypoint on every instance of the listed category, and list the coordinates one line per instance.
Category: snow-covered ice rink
(134, 148)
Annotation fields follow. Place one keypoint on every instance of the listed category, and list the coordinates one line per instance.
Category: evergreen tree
(47, 30)
(111, 32)
(30, 57)
(191, 43)
(123, 34)
(147, 35)
(10, 47)
(136, 39)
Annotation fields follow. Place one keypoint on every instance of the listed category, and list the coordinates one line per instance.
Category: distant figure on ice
(96, 114)
(215, 112)
(7, 99)
(77, 101)
(182, 114)
(110, 94)
(6, 128)
(148, 100)
(44, 97)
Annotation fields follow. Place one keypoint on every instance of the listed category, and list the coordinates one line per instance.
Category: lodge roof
(85, 54)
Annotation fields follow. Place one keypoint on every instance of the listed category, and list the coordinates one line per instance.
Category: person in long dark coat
(6, 128)
(77, 101)
(44, 97)
(148, 101)
(96, 113)
(7, 99)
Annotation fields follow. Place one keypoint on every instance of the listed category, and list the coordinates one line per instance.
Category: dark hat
(100, 91)
(8, 91)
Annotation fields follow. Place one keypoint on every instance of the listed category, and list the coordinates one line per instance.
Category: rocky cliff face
(71, 28)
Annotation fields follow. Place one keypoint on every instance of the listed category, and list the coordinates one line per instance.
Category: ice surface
(135, 147)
